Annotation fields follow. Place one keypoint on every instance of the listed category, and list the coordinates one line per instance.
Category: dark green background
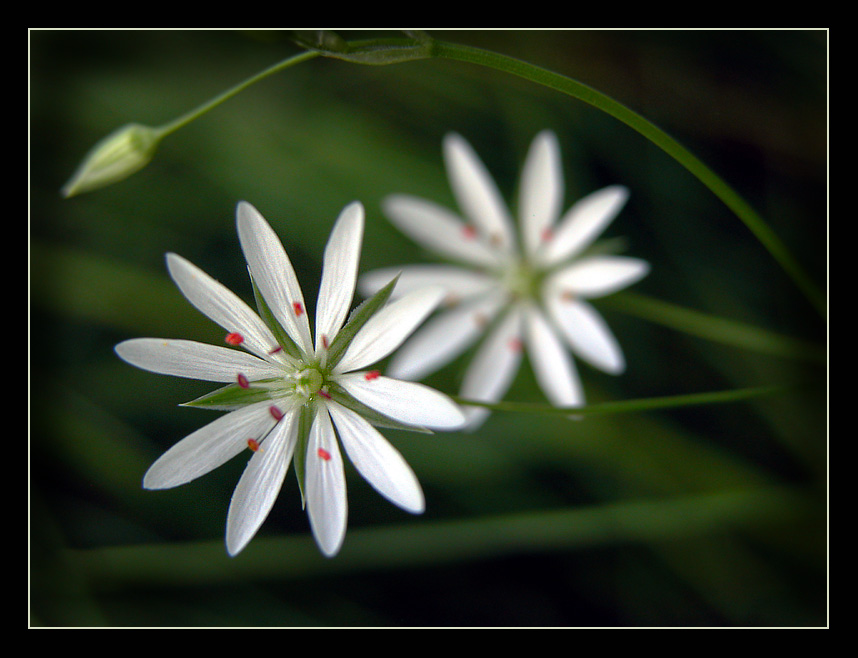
(652, 527)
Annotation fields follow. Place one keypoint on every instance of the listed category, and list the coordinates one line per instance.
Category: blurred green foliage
(701, 516)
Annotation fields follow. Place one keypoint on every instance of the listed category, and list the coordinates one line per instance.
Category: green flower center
(308, 381)
(521, 280)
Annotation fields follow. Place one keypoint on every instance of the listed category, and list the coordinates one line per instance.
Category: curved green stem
(185, 119)
(654, 134)
(133, 155)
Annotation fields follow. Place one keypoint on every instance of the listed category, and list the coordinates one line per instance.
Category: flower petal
(583, 223)
(407, 402)
(273, 274)
(260, 484)
(221, 305)
(494, 367)
(554, 369)
(438, 229)
(599, 276)
(457, 281)
(187, 358)
(339, 273)
(325, 483)
(541, 194)
(586, 332)
(386, 330)
(476, 193)
(208, 447)
(378, 461)
(444, 337)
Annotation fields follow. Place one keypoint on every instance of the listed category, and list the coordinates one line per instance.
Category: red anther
(234, 339)
(324, 394)
(276, 349)
(298, 308)
(372, 374)
(275, 413)
(567, 296)
(324, 454)
(515, 344)
(253, 444)
(242, 381)
(324, 341)
(469, 232)
(547, 234)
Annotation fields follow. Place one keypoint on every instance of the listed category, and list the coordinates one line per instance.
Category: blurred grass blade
(443, 542)
(630, 406)
(721, 330)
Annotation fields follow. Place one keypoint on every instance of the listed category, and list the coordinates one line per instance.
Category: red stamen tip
(372, 374)
(234, 339)
(547, 234)
(275, 413)
(276, 349)
(324, 341)
(325, 394)
(515, 345)
(298, 308)
(253, 444)
(469, 232)
(242, 381)
(324, 454)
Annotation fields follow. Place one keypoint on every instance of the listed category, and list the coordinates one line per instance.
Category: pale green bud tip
(117, 156)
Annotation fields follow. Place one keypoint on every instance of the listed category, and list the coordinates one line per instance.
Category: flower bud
(114, 158)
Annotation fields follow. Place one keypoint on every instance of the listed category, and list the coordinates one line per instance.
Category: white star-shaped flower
(526, 291)
(290, 395)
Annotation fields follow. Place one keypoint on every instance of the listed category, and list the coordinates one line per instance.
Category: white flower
(290, 395)
(526, 292)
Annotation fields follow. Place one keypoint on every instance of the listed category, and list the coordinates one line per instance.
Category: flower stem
(185, 119)
(721, 189)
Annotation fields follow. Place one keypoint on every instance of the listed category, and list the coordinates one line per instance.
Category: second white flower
(525, 289)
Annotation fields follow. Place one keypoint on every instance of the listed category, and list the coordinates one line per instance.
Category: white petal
(378, 461)
(583, 223)
(553, 366)
(599, 276)
(457, 281)
(541, 194)
(339, 272)
(476, 193)
(221, 305)
(494, 367)
(273, 274)
(260, 484)
(444, 337)
(386, 330)
(325, 483)
(438, 229)
(586, 332)
(186, 358)
(209, 447)
(407, 402)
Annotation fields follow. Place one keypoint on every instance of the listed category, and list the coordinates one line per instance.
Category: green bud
(114, 158)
